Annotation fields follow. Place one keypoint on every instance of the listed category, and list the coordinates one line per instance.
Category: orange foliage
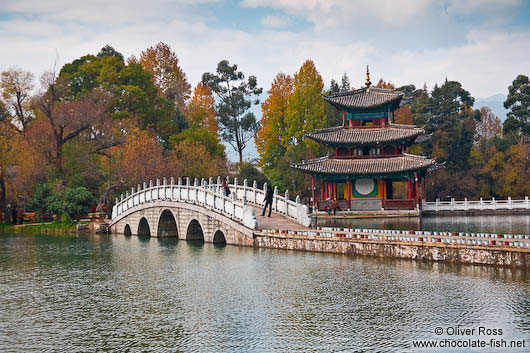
(383, 84)
(201, 109)
(140, 158)
(163, 65)
(194, 160)
(403, 115)
(274, 108)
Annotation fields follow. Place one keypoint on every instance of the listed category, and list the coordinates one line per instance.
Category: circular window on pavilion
(365, 188)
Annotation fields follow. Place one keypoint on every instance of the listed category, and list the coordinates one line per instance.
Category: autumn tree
(518, 101)
(68, 119)
(133, 95)
(15, 160)
(305, 111)
(163, 65)
(235, 98)
(271, 139)
(201, 109)
(489, 125)
(16, 85)
(140, 158)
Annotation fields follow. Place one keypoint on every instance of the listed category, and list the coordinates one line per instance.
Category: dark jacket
(268, 195)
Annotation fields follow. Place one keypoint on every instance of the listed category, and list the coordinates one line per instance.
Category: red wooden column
(322, 191)
(410, 189)
(334, 191)
(349, 194)
(416, 182)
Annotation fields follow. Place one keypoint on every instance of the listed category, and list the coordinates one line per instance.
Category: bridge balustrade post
(118, 212)
(157, 182)
(210, 183)
(465, 203)
(510, 203)
(218, 185)
(493, 203)
(171, 181)
(179, 181)
(235, 185)
(188, 182)
(164, 182)
(265, 187)
(452, 204)
(286, 202)
(255, 190)
(275, 198)
(245, 185)
(527, 202)
(437, 208)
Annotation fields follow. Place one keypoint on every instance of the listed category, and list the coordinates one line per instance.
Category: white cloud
(274, 21)
(484, 61)
(487, 7)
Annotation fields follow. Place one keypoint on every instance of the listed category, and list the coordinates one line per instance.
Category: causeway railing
(211, 195)
(480, 205)
(496, 240)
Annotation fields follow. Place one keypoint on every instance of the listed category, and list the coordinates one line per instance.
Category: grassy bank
(44, 227)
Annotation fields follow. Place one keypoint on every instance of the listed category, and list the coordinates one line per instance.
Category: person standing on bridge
(268, 201)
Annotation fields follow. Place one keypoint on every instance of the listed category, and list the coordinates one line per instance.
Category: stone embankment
(465, 248)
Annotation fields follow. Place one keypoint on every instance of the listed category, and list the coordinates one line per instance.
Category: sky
(484, 44)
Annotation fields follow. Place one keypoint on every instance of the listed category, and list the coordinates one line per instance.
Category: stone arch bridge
(201, 211)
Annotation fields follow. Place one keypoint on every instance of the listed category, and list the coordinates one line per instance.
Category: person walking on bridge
(268, 201)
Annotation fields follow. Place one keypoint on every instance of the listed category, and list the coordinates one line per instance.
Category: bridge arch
(194, 231)
(143, 228)
(219, 237)
(167, 224)
(127, 230)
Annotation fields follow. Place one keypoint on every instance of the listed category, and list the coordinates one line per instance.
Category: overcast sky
(483, 44)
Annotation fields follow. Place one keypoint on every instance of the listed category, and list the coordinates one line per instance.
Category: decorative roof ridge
(326, 129)
(404, 126)
(415, 156)
(311, 161)
(361, 90)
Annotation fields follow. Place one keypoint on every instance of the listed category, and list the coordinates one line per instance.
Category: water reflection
(513, 224)
(118, 293)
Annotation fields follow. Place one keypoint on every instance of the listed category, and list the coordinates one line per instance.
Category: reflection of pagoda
(369, 153)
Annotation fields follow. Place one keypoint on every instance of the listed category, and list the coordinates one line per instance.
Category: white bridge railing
(211, 195)
(479, 205)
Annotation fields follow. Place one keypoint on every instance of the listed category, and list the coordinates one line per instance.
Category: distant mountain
(495, 103)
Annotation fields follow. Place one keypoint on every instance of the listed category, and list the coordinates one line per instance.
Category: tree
(140, 158)
(107, 50)
(195, 161)
(345, 83)
(236, 96)
(15, 160)
(68, 119)
(133, 95)
(201, 109)
(452, 121)
(16, 85)
(163, 65)
(306, 110)
(489, 125)
(518, 101)
(271, 140)
(382, 84)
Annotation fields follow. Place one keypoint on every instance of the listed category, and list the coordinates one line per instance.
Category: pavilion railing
(480, 205)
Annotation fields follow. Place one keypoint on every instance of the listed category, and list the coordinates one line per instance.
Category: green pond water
(129, 294)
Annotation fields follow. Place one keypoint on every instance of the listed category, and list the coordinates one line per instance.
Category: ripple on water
(131, 294)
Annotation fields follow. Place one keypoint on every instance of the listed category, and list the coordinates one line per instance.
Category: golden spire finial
(368, 83)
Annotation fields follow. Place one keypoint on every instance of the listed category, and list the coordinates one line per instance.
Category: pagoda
(367, 153)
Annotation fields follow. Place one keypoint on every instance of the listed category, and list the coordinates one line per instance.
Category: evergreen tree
(236, 96)
(518, 101)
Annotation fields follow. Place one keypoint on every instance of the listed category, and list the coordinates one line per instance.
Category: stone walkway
(276, 221)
